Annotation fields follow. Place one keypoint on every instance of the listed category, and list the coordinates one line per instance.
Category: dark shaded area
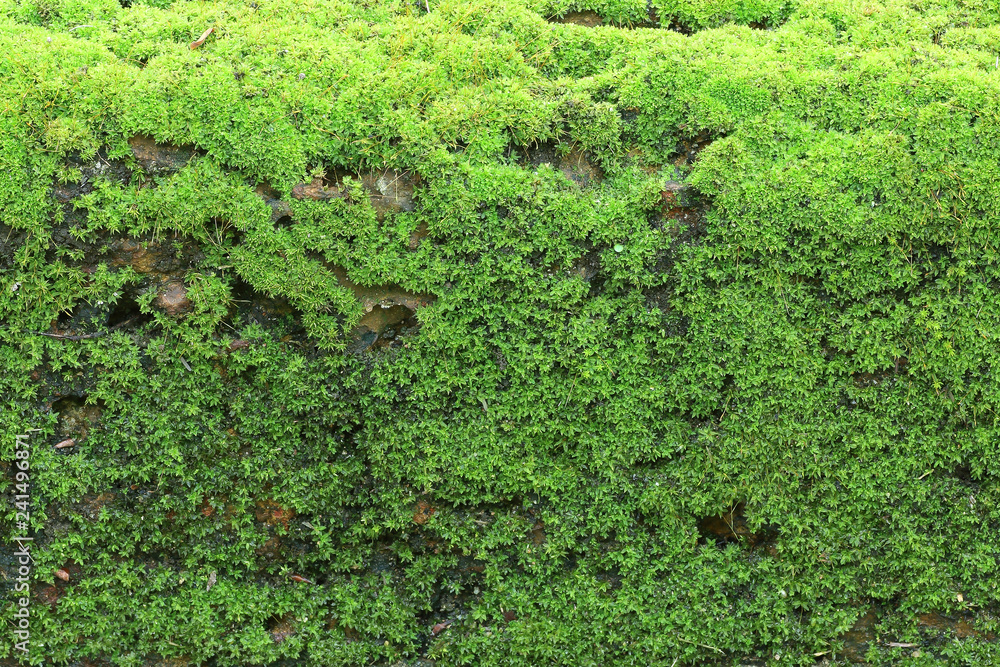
(731, 527)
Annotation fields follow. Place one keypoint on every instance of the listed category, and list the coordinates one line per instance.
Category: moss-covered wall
(502, 333)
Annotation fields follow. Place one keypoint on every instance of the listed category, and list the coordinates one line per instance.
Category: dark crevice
(730, 527)
(126, 313)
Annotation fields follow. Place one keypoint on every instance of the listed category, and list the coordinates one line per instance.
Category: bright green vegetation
(532, 465)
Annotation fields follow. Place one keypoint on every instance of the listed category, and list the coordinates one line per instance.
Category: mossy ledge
(503, 333)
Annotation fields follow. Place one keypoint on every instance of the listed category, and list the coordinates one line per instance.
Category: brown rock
(92, 503)
(586, 19)
(156, 157)
(143, 256)
(394, 191)
(423, 513)
(577, 168)
(317, 191)
(271, 550)
(282, 628)
(49, 595)
(279, 209)
(173, 299)
(859, 638)
(679, 194)
(538, 533)
(76, 419)
(271, 513)
(389, 191)
(418, 235)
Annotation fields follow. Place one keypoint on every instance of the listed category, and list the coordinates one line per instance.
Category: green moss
(598, 374)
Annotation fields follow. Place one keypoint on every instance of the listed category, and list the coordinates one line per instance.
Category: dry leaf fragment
(211, 581)
(62, 574)
(201, 40)
(439, 628)
(69, 442)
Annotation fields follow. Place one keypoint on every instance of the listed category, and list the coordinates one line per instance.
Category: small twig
(80, 26)
(185, 363)
(686, 641)
(572, 387)
(900, 645)
(96, 334)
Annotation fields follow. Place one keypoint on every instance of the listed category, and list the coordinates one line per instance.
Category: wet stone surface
(586, 19)
(76, 418)
(390, 312)
(575, 165)
(172, 298)
(158, 158)
(388, 191)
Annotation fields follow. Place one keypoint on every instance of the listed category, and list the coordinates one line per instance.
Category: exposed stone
(279, 209)
(173, 299)
(389, 191)
(92, 503)
(579, 169)
(49, 595)
(152, 257)
(282, 628)
(317, 191)
(858, 639)
(76, 419)
(180, 661)
(393, 191)
(575, 164)
(156, 157)
(387, 309)
(423, 513)
(417, 236)
(587, 266)
(678, 194)
(537, 533)
(586, 19)
(271, 513)
(271, 550)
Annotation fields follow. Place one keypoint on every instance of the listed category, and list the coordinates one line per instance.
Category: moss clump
(688, 353)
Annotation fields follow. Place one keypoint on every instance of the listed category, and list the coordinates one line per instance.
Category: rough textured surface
(506, 333)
